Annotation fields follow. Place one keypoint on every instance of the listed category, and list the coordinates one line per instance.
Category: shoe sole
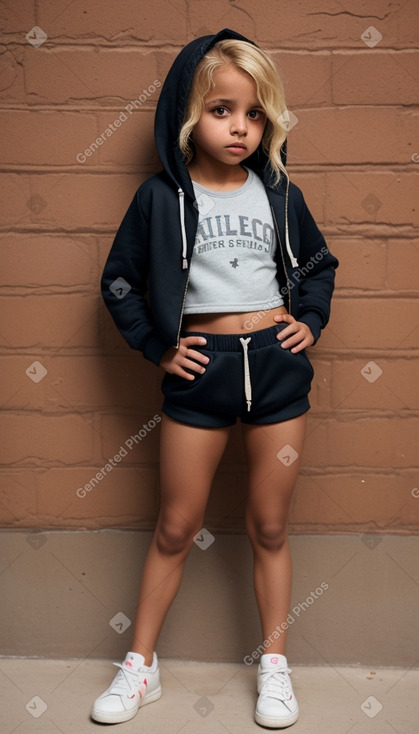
(272, 723)
(116, 718)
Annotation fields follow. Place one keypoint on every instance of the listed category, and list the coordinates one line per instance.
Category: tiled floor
(53, 696)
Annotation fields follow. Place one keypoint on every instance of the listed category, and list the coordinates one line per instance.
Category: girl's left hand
(297, 335)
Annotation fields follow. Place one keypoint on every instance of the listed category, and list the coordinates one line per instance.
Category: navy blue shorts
(249, 376)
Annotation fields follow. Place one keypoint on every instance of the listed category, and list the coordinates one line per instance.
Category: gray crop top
(233, 267)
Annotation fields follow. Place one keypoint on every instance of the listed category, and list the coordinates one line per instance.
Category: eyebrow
(228, 101)
(225, 101)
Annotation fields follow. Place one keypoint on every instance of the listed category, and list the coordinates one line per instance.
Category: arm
(124, 287)
(124, 284)
(315, 279)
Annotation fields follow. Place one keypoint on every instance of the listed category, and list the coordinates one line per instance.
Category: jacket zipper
(184, 259)
(282, 258)
(182, 310)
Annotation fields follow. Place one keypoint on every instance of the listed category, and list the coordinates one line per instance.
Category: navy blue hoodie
(146, 275)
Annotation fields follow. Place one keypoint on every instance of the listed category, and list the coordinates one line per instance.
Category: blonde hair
(269, 90)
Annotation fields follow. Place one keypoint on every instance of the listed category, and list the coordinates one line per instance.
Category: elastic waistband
(231, 342)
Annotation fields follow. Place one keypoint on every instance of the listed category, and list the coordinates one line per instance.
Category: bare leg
(189, 457)
(271, 484)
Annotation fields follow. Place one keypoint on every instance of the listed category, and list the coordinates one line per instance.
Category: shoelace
(124, 678)
(276, 684)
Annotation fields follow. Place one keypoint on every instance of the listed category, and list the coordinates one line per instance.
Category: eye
(256, 114)
(219, 111)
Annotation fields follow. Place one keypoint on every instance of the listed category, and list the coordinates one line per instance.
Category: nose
(239, 124)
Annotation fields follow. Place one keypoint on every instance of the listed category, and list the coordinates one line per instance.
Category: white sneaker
(276, 706)
(133, 686)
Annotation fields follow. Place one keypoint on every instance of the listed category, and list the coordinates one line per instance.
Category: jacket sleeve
(315, 274)
(124, 284)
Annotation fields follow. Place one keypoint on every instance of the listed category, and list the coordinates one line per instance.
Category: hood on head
(171, 107)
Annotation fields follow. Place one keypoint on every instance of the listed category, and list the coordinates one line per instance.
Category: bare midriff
(231, 323)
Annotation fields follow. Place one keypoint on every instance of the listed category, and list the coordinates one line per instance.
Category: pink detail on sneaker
(128, 664)
(274, 661)
(142, 688)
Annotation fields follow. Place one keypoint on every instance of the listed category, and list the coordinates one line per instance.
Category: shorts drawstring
(247, 383)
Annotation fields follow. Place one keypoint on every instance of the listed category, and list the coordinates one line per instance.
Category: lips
(237, 145)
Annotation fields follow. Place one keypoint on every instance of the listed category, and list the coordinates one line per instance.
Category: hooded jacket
(145, 279)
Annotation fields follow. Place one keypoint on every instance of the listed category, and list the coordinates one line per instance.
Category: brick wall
(79, 408)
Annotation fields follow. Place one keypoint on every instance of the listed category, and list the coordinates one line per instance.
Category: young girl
(219, 274)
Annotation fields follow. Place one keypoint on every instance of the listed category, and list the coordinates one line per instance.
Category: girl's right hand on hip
(177, 360)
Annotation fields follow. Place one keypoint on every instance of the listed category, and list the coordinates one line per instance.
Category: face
(232, 120)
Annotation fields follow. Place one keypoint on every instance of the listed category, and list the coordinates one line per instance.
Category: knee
(172, 538)
(269, 535)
